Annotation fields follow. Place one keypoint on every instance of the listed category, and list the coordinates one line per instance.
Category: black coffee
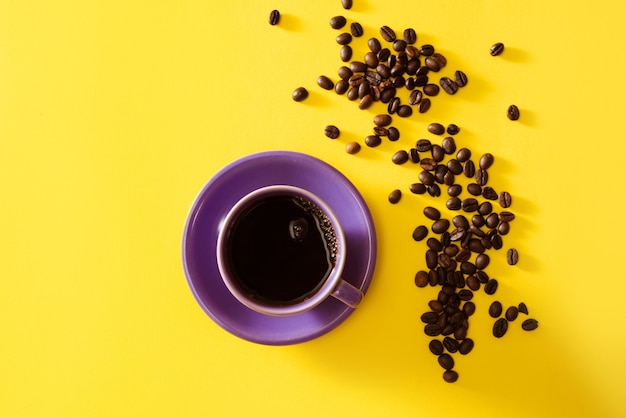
(281, 249)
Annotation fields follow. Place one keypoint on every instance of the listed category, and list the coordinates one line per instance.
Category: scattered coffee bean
(421, 279)
(450, 376)
(496, 49)
(486, 161)
(495, 309)
(522, 308)
(366, 102)
(404, 111)
(463, 155)
(482, 176)
(451, 345)
(482, 261)
(440, 226)
(395, 196)
(513, 112)
(337, 22)
(512, 256)
(347, 4)
(356, 29)
(432, 213)
(274, 17)
(432, 330)
(446, 361)
(353, 147)
(511, 313)
(491, 286)
(427, 50)
(453, 129)
(436, 128)
(400, 157)
(382, 120)
(460, 78)
(387, 33)
(393, 134)
(449, 147)
(448, 85)
(424, 105)
(418, 188)
(430, 317)
(500, 327)
(344, 38)
(300, 94)
(506, 216)
(466, 346)
(420, 233)
(530, 324)
(431, 89)
(505, 199)
(342, 86)
(332, 132)
(489, 193)
(415, 97)
(436, 347)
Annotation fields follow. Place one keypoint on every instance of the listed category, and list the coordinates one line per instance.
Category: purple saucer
(211, 206)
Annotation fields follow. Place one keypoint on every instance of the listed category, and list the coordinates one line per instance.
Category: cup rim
(330, 283)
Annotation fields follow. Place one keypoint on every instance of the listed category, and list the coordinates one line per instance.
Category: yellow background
(114, 114)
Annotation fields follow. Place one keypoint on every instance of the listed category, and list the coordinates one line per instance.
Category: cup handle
(347, 293)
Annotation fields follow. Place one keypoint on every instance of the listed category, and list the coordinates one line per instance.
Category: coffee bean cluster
(501, 324)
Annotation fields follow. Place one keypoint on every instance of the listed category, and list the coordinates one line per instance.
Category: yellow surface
(113, 115)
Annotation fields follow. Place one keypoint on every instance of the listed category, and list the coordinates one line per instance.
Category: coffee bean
(399, 45)
(496, 49)
(420, 233)
(486, 160)
(356, 29)
(426, 177)
(358, 67)
(513, 112)
(342, 86)
(469, 308)
(434, 244)
(423, 145)
(430, 317)
(432, 330)
(325, 82)
(512, 256)
(522, 308)
(451, 345)
(503, 228)
(387, 33)
(435, 305)
(332, 132)
(500, 327)
(432, 64)
(460, 221)
(440, 226)
(454, 189)
(421, 79)
(372, 141)
(353, 147)
(347, 4)
(395, 196)
(380, 131)
(463, 155)
(511, 313)
(441, 60)
(454, 203)
(353, 93)
(448, 85)
(482, 176)
(400, 157)
(404, 111)
(417, 188)
(504, 199)
(468, 169)
(495, 309)
(469, 204)
(485, 209)
(438, 154)
(366, 102)
(449, 147)
(465, 294)
(474, 189)
(436, 347)
(431, 89)
(450, 376)
(482, 261)
(460, 78)
(453, 129)
(466, 346)
(491, 286)
(530, 324)
(344, 38)
(393, 106)
(371, 60)
(415, 97)
(427, 50)
(482, 277)
(432, 213)
(446, 361)
(436, 128)
(274, 17)
(506, 216)
(421, 279)
(489, 193)
(409, 36)
(434, 190)
(300, 94)
(424, 105)
(382, 120)
(374, 45)
(384, 55)
(337, 22)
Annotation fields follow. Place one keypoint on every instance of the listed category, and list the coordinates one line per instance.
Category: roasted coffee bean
(512, 256)
(325, 82)
(486, 160)
(274, 17)
(373, 78)
(337, 22)
(428, 164)
(417, 188)
(341, 87)
(440, 226)
(366, 102)
(465, 294)
(482, 176)
(496, 241)
(474, 189)
(463, 155)
(332, 132)
(399, 45)
(426, 177)
(353, 93)
(468, 169)
(469, 204)
(372, 141)
(454, 203)
(457, 234)
(482, 261)
(482, 276)
(460, 333)
(384, 55)
(492, 220)
(421, 278)
(433, 278)
(460, 221)
(454, 190)
(436, 306)
(344, 73)
(513, 112)
(374, 45)
(445, 238)
(420, 233)
(496, 49)
(436, 347)
(409, 36)
(437, 153)
(466, 346)
(453, 129)
(511, 313)
(460, 78)
(395, 196)
(500, 327)
(300, 94)
(424, 105)
(382, 120)
(431, 89)
(489, 193)
(469, 308)
(445, 261)
(451, 250)
(381, 69)
(495, 309)
(393, 134)
(530, 324)
(504, 228)
(356, 29)
(432, 259)
(423, 145)
(387, 33)
(432, 330)
(356, 80)
(449, 146)
(432, 64)
(451, 345)
(446, 361)
(467, 268)
(387, 94)
(432, 213)
(506, 216)
(400, 157)
(347, 4)
(427, 50)
(358, 67)
(393, 106)
(415, 97)
(430, 317)
(448, 85)
(491, 286)
(421, 79)
(436, 128)
(450, 376)
(471, 281)
(353, 147)
(484, 209)
(344, 38)
(380, 131)
(441, 60)
(434, 190)
(371, 60)
(404, 111)
(505, 199)
(522, 308)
